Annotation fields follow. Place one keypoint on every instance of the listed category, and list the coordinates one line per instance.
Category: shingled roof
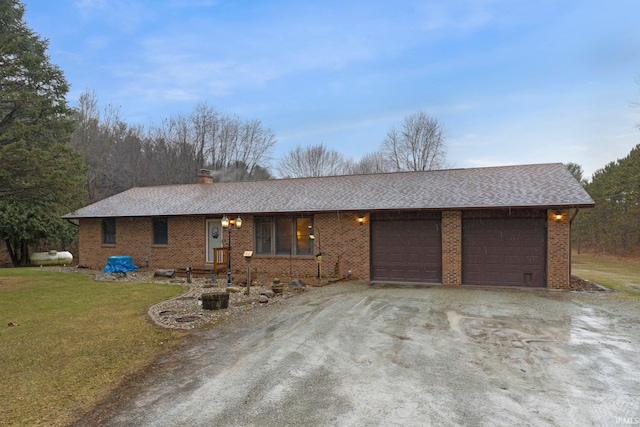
(542, 185)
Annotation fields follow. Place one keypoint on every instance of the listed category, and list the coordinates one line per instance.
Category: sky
(513, 81)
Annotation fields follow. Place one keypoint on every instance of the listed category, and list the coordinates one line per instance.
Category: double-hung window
(284, 235)
(109, 231)
(160, 231)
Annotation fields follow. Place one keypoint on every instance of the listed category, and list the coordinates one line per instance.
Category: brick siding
(451, 248)
(345, 244)
(558, 247)
(134, 237)
(343, 240)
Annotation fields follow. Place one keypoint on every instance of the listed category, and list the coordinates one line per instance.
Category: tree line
(418, 145)
(613, 225)
(120, 156)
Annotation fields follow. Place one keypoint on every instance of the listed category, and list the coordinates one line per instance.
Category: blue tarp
(119, 263)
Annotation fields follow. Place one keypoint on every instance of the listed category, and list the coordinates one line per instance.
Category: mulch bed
(580, 284)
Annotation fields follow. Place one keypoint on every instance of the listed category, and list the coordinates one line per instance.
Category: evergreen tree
(41, 175)
(614, 224)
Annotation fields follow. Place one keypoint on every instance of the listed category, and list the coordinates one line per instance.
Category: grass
(76, 341)
(622, 275)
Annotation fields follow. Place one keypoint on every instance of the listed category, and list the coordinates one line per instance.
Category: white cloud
(452, 15)
(193, 61)
(193, 3)
(221, 56)
(92, 5)
(123, 15)
(97, 43)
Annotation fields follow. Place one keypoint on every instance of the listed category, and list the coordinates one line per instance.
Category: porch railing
(220, 259)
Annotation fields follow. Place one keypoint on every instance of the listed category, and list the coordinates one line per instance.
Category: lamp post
(229, 224)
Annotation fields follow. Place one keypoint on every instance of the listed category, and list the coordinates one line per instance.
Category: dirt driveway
(353, 355)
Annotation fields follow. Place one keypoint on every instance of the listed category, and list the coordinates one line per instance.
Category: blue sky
(513, 81)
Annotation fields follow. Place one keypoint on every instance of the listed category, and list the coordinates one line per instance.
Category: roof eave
(363, 209)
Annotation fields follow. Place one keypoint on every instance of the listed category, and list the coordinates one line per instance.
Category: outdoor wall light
(557, 215)
(360, 219)
(226, 222)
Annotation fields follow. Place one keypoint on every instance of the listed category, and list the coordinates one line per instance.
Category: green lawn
(621, 275)
(76, 341)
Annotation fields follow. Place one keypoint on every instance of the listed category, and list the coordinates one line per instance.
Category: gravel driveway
(354, 355)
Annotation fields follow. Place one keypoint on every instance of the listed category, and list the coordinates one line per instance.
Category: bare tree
(224, 141)
(173, 153)
(86, 139)
(240, 172)
(376, 162)
(121, 156)
(312, 161)
(110, 147)
(203, 121)
(254, 145)
(236, 149)
(418, 145)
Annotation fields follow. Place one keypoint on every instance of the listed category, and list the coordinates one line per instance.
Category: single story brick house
(502, 226)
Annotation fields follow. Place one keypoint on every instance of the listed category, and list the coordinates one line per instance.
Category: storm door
(214, 237)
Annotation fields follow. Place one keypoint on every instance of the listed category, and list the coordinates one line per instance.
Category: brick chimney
(205, 177)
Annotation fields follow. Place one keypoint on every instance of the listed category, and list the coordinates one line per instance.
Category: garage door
(406, 248)
(504, 251)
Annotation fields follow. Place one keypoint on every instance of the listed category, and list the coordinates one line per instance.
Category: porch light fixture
(557, 215)
(229, 225)
(360, 219)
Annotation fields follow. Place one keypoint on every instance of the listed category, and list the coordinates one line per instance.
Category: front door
(214, 237)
